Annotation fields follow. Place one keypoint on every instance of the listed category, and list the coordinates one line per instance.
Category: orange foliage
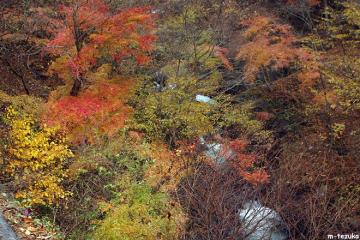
(264, 116)
(309, 2)
(167, 169)
(271, 49)
(221, 53)
(307, 78)
(239, 145)
(270, 45)
(90, 28)
(256, 177)
(101, 107)
(245, 163)
(255, 25)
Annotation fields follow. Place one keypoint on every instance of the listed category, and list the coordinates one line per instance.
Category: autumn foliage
(276, 59)
(99, 110)
(309, 2)
(91, 36)
(222, 53)
(245, 163)
(273, 45)
(90, 32)
(136, 130)
(38, 158)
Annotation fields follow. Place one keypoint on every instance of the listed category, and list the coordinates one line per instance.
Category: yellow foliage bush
(37, 158)
(142, 215)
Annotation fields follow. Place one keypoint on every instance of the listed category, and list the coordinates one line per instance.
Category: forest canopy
(147, 120)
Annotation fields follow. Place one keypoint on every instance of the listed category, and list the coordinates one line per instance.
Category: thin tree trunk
(76, 86)
(78, 81)
(20, 76)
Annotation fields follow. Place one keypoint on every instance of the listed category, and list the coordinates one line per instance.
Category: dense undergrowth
(118, 148)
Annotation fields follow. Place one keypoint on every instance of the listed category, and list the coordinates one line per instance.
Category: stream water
(259, 222)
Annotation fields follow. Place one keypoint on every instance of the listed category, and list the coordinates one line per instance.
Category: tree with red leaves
(90, 32)
(99, 110)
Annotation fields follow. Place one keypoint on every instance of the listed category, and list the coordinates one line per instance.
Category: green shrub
(141, 215)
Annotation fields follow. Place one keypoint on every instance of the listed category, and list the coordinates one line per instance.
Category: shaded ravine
(260, 222)
(6, 232)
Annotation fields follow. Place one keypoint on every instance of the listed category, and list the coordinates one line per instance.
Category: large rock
(6, 232)
(260, 222)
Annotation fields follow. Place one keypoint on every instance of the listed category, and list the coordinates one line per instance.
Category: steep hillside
(193, 120)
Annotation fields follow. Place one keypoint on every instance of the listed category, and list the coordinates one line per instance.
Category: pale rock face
(260, 222)
(6, 232)
(204, 99)
(212, 151)
(215, 151)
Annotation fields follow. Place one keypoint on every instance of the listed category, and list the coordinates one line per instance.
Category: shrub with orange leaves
(222, 53)
(245, 163)
(239, 145)
(169, 167)
(264, 116)
(234, 155)
(272, 45)
(275, 58)
(97, 111)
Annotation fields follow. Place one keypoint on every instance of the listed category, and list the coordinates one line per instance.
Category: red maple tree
(90, 32)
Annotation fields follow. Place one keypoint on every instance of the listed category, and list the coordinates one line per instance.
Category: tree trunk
(20, 76)
(78, 81)
(76, 86)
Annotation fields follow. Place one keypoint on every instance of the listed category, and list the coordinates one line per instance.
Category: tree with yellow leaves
(37, 158)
